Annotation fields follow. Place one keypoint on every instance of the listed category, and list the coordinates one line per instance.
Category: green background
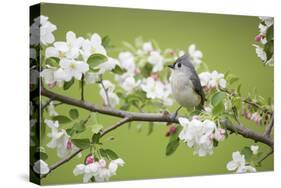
(225, 41)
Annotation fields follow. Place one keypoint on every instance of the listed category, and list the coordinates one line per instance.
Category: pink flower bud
(172, 129)
(89, 159)
(69, 145)
(258, 38)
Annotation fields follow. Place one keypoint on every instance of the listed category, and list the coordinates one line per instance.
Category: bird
(186, 85)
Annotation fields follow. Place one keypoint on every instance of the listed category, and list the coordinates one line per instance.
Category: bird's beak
(172, 66)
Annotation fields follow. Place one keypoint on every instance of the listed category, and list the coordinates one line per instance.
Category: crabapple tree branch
(150, 117)
(140, 116)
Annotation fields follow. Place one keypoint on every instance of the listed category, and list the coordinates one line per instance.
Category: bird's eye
(179, 65)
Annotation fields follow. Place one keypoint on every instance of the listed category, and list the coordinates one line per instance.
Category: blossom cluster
(238, 162)
(265, 37)
(60, 140)
(210, 80)
(200, 135)
(97, 169)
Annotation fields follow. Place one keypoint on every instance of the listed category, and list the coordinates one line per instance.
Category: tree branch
(150, 117)
(139, 116)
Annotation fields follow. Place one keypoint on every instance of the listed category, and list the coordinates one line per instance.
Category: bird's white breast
(182, 90)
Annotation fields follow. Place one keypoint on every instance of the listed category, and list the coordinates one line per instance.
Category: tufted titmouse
(185, 83)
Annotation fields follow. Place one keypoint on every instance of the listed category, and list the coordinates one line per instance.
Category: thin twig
(106, 92)
(82, 87)
(266, 156)
(115, 126)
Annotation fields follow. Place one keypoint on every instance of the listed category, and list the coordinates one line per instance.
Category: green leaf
(172, 147)
(247, 152)
(112, 155)
(269, 33)
(69, 131)
(97, 128)
(52, 61)
(67, 85)
(81, 143)
(96, 138)
(73, 113)
(218, 109)
(106, 41)
(146, 70)
(79, 127)
(268, 48)
(118, 70)
(103, 153)
(96, 59)
(217, 98)
(61, 119)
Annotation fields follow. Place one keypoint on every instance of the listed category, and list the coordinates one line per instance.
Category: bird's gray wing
(197, 86)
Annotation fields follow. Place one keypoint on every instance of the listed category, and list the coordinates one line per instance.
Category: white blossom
(255, 149)
(68, 49)
(92, 46)
(260, 53)
(267, 20)
(195, 55)
(129, 83)
(41, 167)
(198, 135)
(212, 80)
(42, 31)
(72, 68)
(48, 76)
(127, 61)
(155, 89)
(51, 109)
(60, 140)
(156, 60)
(238, 163)
(98, 170)
(109, 65)
(147, 46)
